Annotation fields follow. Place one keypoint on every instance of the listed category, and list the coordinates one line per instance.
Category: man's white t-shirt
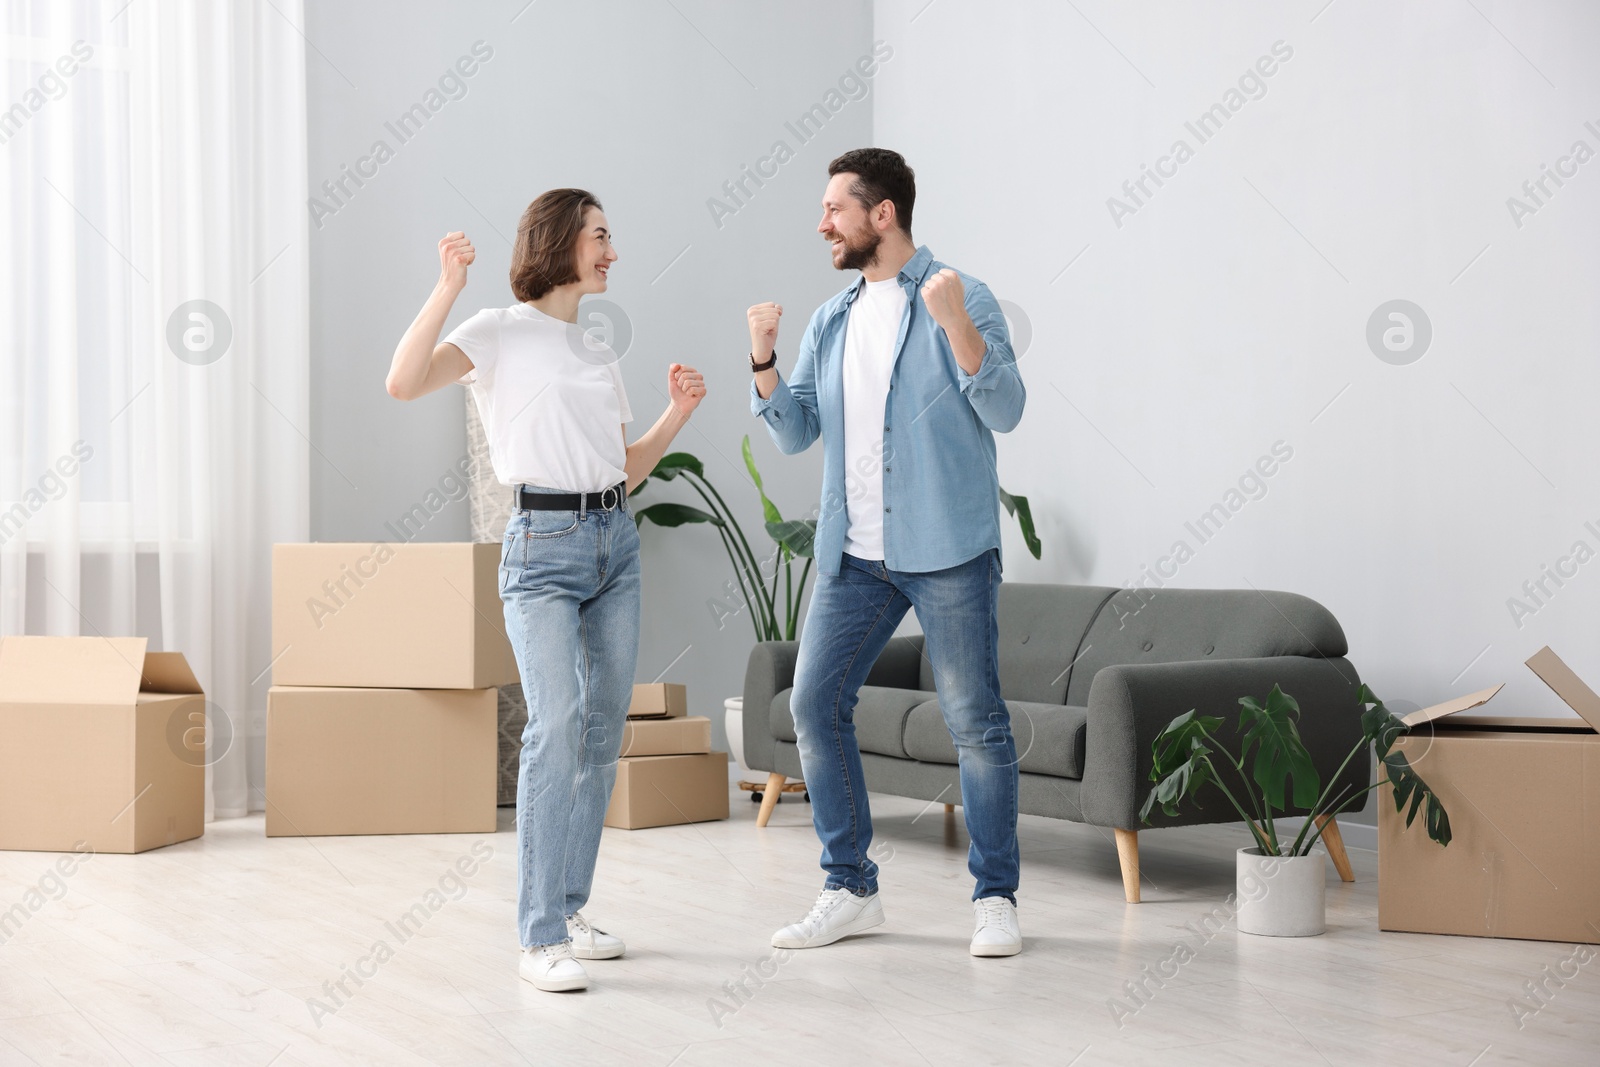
(869, 344)
(551, 399)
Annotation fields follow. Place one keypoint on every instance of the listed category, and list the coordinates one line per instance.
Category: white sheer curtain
(155, 368)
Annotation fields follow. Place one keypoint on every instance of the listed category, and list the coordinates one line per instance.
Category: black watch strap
(772, 361)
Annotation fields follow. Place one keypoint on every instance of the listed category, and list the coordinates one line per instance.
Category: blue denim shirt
(941, 495)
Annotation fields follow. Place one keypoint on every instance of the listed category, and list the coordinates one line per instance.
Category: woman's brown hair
(547, 236)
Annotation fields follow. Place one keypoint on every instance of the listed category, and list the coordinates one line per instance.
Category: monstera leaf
(1181, 766)
(1280, 754)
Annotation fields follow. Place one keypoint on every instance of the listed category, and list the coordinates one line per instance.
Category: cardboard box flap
(1567, 685)
(168, 672)
(1451, 707)
(71, 670)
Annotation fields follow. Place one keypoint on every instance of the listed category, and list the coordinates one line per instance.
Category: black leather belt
(526, 500)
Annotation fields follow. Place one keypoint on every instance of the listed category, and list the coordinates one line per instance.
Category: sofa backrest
(1041, 627)
(1162, 626)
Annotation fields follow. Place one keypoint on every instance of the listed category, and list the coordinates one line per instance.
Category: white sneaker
(837, 913)
(997, 932)
(590, 943)
(552, 968)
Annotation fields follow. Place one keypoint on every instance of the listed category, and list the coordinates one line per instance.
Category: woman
(553, 407)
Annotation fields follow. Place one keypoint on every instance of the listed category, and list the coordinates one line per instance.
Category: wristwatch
(772, 361)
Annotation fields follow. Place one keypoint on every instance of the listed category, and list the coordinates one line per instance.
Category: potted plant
(1280, 886)
(754, 588)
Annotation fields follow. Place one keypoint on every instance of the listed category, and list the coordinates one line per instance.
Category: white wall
(1229, 312)
(652, 110)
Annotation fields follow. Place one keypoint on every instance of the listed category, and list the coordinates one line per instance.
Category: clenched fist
(763, 330)
(455, 253)
(686, 388)
(946, 300)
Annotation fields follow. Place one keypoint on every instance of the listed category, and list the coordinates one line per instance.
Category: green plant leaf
(1018, 506)
(1408, 785)
(1280, 754)
(1179, 766)
(675, 463)
(668, 514)
(768, 508)
(1380, 726)
(796, 535)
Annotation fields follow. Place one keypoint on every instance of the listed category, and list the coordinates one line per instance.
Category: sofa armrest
(771, 670)
(1129, 704)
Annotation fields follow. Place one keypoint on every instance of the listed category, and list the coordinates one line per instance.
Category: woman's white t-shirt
(551, 399)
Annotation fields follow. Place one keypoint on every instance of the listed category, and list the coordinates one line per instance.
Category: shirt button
(886, 429)
(888, 509)
(886, 470)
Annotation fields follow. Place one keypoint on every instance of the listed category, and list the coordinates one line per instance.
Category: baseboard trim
(1355, 834)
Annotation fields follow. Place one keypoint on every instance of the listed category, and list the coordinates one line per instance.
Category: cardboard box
(102, 745)
(666, 737)
(380, 761)
(668, 790)
(402, 616)
(1523, 796)
(659, 700)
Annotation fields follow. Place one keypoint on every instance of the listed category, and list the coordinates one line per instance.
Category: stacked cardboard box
(381, 718)
(1523, 796)
(668, 773)
(102, 746)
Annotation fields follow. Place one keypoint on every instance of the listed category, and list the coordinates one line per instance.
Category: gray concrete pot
(1281, 896)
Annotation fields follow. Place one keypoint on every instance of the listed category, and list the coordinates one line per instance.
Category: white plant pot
(733, 724)
(1281, 896)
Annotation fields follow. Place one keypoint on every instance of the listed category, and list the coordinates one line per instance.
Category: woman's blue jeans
(851, 618)
(570, 584)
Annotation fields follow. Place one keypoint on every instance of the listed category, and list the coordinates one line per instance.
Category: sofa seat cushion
(1050, 737)
(880, 718)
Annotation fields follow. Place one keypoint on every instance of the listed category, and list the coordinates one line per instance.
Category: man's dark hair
(881, 174)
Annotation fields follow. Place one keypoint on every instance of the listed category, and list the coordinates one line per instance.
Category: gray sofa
(1091, 675)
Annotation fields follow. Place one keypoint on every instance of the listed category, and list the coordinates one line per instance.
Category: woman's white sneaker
(591, 943)
(552, 968)
(997, 932)
(837, 913)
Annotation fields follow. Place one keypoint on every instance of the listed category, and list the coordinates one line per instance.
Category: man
(905, 376)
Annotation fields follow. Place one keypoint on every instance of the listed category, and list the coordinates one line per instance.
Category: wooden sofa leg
(1333, 841)
(1128, 856)
(769, 797)
(948, 808)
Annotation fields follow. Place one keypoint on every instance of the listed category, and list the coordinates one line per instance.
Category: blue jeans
(570, 583)
(851, 618)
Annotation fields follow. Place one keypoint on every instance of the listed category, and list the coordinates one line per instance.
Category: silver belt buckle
(615, 498)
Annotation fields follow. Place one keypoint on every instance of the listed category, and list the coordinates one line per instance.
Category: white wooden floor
(217, 951)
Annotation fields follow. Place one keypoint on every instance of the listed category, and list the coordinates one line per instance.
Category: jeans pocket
(542, 525)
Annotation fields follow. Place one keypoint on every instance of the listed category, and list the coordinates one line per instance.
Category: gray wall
(651, 109)
(1230, 310)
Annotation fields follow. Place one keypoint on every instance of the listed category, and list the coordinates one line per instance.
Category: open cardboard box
(1523, 796)
(102, 745)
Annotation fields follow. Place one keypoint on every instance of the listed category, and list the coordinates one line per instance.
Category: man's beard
(860, 256)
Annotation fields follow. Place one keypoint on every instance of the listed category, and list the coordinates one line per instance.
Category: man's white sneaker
(590, 943)
(997, 932)
(837, 913)
(552, 968)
